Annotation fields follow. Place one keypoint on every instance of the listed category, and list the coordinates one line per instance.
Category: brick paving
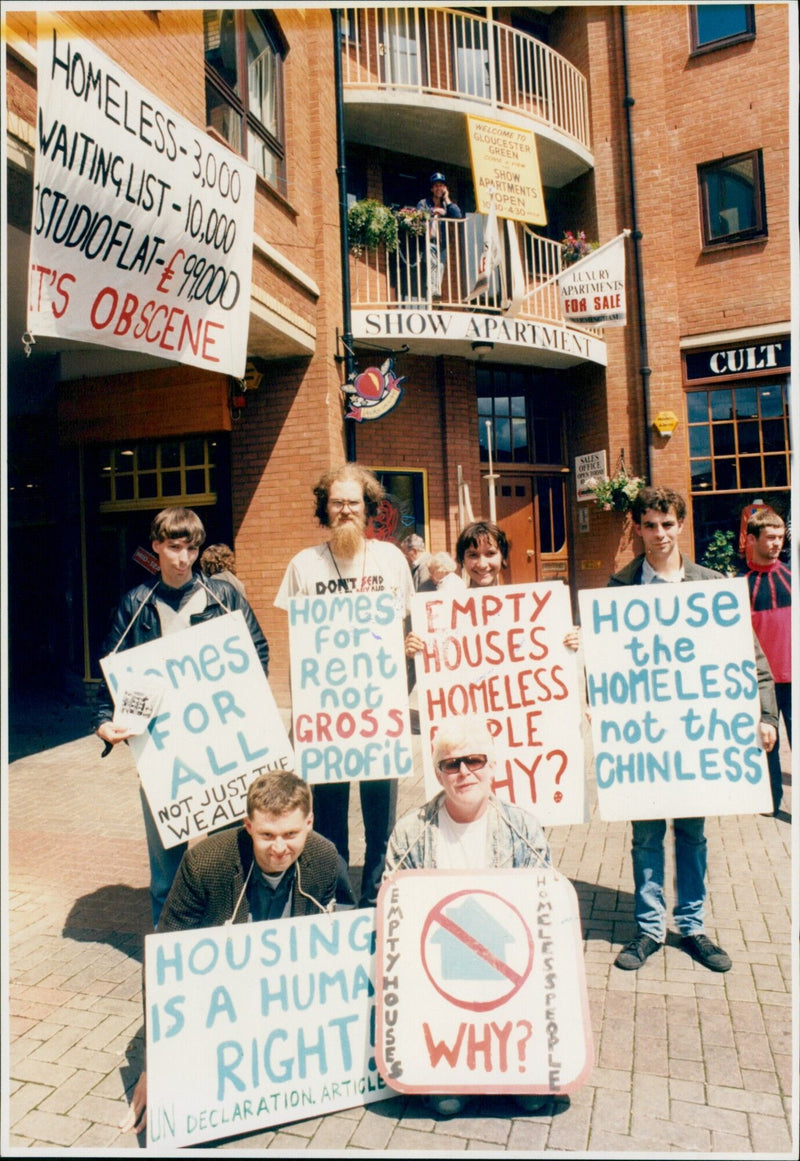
(685, 1060)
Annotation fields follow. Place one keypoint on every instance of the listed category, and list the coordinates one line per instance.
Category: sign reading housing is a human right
(672, 688)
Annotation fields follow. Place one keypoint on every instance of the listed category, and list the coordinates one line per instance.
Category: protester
(179, 599)
(444, 572)
(418, 558)
(770, 582)
(464, 827)
(658, 516)
(219, 560)
(273, 867)
(349, 562)
(482, 549)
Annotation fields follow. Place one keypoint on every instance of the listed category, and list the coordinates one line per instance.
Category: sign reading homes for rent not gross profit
(142, 231)
(215, 729)
(672, 688)
(498, 654)
(481, 984)
(349, 687)
(259, 1024)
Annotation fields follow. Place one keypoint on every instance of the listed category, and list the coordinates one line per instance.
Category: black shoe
(707, 953)
(636, 952)
(447, 1106)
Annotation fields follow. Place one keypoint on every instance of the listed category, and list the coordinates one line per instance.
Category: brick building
(668, 120)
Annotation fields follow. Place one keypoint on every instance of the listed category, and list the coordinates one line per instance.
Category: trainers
(531, 1104)
(636, 952)
(447, 1106)
(707, 953)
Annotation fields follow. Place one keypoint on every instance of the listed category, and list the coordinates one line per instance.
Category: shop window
(718, 25)
(524, 424)
(404, 509)
(739, 437)
(244, 87)
(732, 199)
(153, 475)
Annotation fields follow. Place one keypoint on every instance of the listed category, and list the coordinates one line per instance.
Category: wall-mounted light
(482, 347)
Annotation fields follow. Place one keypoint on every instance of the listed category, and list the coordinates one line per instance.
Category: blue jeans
(648, 876)
(164, 862)
(378, 808)
(783, 696)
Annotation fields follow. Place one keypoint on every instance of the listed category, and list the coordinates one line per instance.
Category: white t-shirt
(379, 566)
(461, 845)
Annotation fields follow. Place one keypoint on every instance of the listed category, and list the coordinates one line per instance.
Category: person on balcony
(439, 205)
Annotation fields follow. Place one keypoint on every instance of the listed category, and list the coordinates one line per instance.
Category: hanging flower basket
(370, 225)
(615, 493)
(574, 247)
(412, 221)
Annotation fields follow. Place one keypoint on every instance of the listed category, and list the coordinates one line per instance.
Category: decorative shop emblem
(374, 392)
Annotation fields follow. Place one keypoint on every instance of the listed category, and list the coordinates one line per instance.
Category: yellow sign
(665, 422)
(504, 159)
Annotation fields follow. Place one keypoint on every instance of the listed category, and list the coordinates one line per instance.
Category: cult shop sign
(142, 225)
(498, 654)
(350, 714)
(672, 688)
(276, 1021)
(481, 983)
(215, 729)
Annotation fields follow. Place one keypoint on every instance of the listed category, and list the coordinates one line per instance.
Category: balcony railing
(438, 269)
(440, 52)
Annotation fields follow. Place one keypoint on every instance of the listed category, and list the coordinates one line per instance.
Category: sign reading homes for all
(212, 723)
(498, 654)
(481, 983)
(672, 688)
(259, 1024)
(349, 687)
(142, 233)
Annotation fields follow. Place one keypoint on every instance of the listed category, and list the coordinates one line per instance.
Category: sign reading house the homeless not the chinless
(216, 727)
(672, 688)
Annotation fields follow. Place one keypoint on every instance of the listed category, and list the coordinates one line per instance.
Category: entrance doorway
(531, 510)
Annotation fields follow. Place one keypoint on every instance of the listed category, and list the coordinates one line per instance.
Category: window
(244, 88)
(739, 437)
(150, 475)
(732, 199)
(718, 25)
(525, 423)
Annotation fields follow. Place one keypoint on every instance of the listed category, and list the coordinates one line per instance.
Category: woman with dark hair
(482, 549)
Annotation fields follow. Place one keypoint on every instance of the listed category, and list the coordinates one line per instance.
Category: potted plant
(410, 220)
(574, 247)
(371, 224)
(720, 553)
(616, 493)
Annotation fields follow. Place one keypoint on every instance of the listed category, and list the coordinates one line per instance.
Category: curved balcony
(424, 295)
(407, 71)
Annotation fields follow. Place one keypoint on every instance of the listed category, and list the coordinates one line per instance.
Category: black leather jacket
(221, 598)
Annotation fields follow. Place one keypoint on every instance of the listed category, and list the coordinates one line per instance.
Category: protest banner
(505, 168)
(349, 688)
(142, 233)
(672, 689)
(498, 654)
(215, 728)
(481, 984)
(276, 1018)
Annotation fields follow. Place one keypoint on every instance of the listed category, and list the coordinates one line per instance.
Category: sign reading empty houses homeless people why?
(672, 688)
(258, 1024)
(498, 654)
(349, 687)
(216, 726)
(481, 984)
(142, 231)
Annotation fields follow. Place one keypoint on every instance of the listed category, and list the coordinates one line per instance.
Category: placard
(672, 689)
(350, 718)
(217, 726)
(258, 1024)
(481, 983)
(593, 466)
(142, 233)
(505, 164)
(498, 654)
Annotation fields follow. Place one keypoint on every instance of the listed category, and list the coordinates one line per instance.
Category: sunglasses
(473, 762)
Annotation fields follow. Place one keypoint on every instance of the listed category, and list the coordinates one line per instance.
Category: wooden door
(531, 510)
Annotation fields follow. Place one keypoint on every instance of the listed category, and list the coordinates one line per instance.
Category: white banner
(216, 728)
(258, 1024)
(350, 719)
(593, 289)
(673, 695)
(498, 654)
(481, 983)
(491, 255)
(142, 234)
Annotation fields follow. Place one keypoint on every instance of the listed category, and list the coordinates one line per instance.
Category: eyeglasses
(473, 763)
(340, 505)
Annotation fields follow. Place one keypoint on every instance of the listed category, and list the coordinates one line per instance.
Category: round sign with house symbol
(477, 949)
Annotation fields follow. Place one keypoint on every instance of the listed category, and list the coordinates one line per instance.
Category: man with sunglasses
(351, 562)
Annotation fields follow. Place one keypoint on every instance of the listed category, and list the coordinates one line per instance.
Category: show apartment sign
(257, 1024)
(481, 985)
(505, 164)
(142, 230)
(672, 688)
(215, 729)
(498, 654)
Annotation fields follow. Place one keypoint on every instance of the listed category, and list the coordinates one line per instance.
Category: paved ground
(686, 1061)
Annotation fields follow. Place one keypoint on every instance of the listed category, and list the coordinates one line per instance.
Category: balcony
(422, 295)
(410, 75)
